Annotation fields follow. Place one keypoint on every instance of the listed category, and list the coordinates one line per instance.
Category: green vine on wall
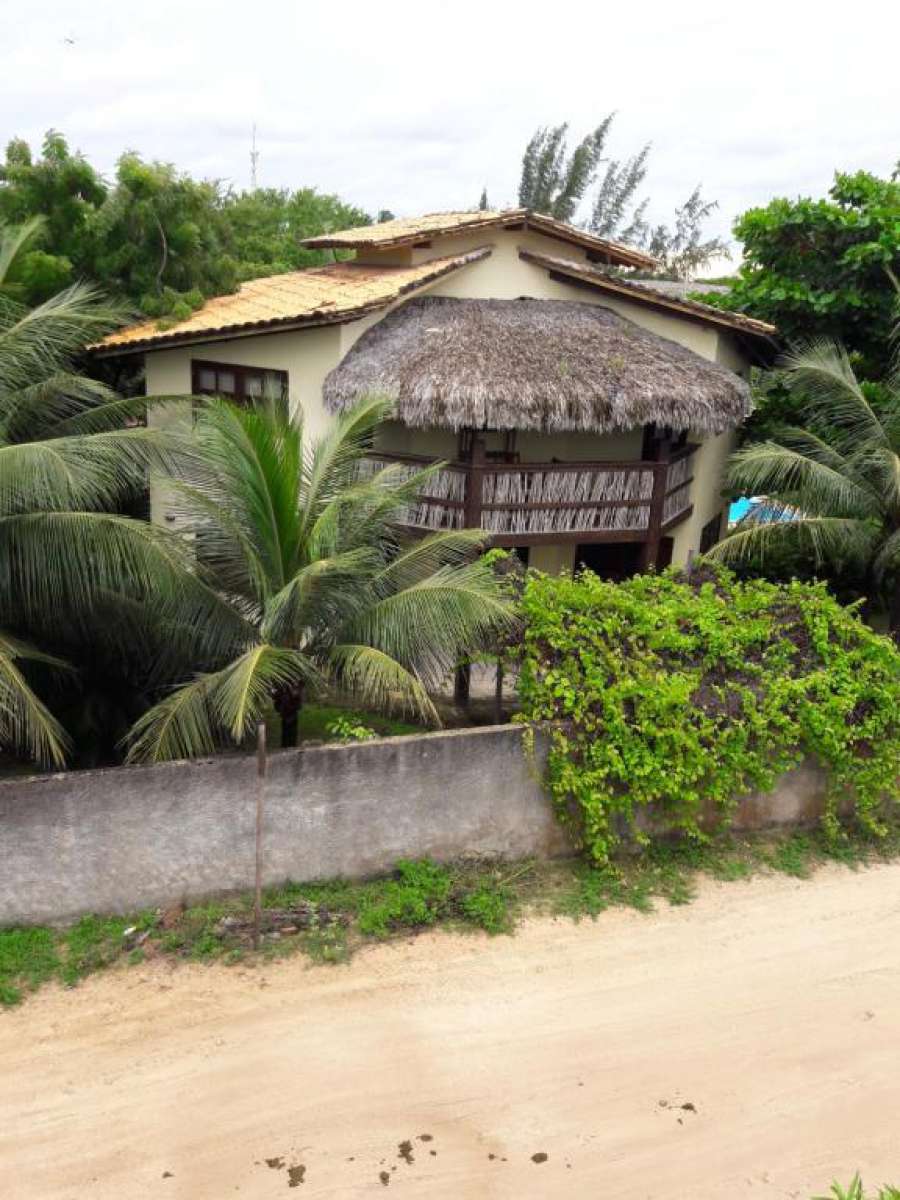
(686, 693)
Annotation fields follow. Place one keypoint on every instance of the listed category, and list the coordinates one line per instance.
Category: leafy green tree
(308, 582)
(163, 239)
(832, 486)
(827, 268)
(70, 452)
(156, 237)
(65, 192)
(268, 225)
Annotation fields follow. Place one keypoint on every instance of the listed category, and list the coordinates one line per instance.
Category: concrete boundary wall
(131, 837)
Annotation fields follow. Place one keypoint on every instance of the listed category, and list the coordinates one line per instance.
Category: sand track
(771, 1007)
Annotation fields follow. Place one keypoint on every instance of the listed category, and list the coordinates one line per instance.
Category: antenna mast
(254, 159)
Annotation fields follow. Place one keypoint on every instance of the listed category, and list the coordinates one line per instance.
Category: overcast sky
(416, 106)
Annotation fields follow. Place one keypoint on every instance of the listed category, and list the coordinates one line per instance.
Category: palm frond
(331, 464)
(88, 472)
(199, 716)
(53, 407)
(828, 539)
(58, 562)
(179, 726)
(377, 681)
(816, 487)
(38, 342)
(14, 240)
(244, 689)
(26, 724)
(422, 557)
(820, 370)
(887, 562)
(250, 460)
(427, 626)
(326, 592)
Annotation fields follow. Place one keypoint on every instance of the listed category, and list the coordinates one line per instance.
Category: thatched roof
(533, 364)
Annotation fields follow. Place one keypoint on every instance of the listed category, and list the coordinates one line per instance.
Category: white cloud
(415, 106)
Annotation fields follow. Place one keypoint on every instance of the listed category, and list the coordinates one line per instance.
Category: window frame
(711, 533)
(241, 373)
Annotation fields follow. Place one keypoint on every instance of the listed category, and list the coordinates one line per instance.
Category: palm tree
(66, 462)
(832, 487)
(309, 583)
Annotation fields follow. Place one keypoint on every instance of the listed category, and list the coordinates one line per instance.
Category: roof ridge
(407, 231)
(641, 288)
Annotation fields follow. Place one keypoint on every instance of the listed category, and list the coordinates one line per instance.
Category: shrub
(686, 692)
(418, 896)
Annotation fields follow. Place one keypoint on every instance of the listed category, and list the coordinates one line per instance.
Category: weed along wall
(127, 838)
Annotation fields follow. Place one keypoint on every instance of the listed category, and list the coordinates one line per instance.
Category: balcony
(522, 504)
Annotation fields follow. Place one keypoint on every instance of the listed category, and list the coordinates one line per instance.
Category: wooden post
(471, 520)
(472, 510)
(650, 551)
(261, 767)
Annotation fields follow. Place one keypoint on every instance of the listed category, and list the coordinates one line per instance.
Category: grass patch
(328, 921)
(316, 722)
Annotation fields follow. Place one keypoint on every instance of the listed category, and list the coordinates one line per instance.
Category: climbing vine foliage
(672, 697)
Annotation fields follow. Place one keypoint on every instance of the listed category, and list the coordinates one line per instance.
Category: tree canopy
(154, 236)
(826, 268)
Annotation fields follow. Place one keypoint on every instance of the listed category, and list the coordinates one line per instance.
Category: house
(583, 417)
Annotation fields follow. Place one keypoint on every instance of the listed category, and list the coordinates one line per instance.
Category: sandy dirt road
(770, 1007)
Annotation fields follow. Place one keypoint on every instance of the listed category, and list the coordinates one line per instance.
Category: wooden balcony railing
(529, 503)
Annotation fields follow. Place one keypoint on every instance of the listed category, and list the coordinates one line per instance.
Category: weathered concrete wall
(117, 840)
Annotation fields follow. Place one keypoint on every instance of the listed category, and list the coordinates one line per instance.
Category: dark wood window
(245, 385)
(710, 533)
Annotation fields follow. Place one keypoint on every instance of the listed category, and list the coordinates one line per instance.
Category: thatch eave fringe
(547, 365)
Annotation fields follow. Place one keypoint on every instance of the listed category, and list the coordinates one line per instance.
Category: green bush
(418, 896)
(685, 693)
(423, 893)
(855, 1192)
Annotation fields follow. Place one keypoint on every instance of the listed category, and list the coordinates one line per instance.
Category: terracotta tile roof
(646, 293)
(406, 231)
(317, 296)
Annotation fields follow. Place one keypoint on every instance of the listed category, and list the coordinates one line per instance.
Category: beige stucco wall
(307, 356)
(706, 494)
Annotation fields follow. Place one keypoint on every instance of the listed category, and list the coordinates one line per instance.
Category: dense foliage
(71, 455)
(154, 236)
(825, 268)
(307, 581)
(832, 483)
(685, 693)
(555, 181)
